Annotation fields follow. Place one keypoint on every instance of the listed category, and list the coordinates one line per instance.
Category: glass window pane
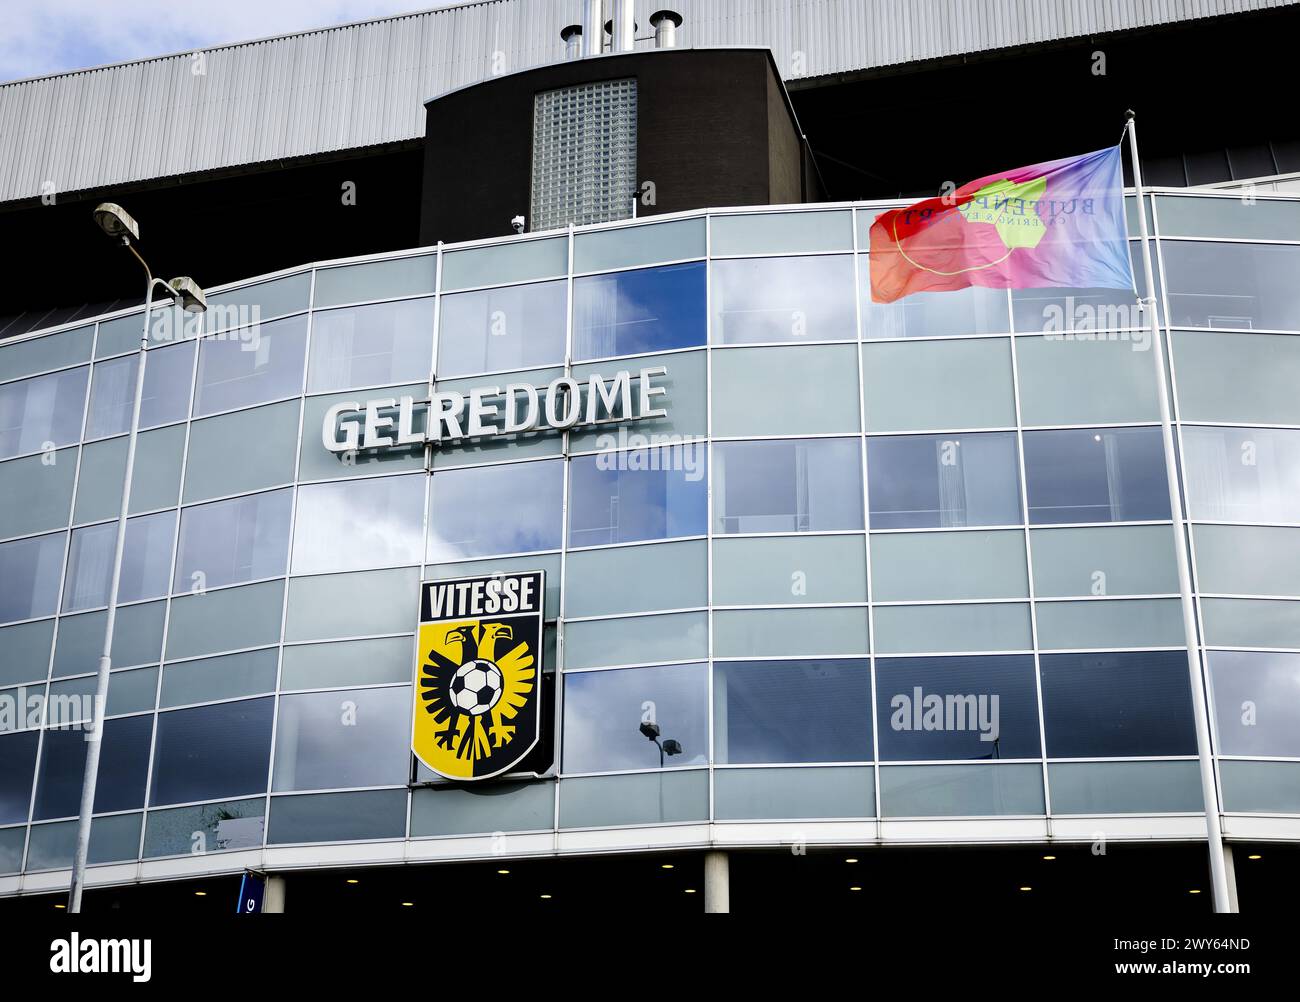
(1239, 378)
(754, 633)
(1125, 787)
(957, 708)
(168, 325)
(41, 410)
(374, 345)
(227, 542)
(348, 737)
(1256, 703)
(155, 484)
(1104, 560)
(359, 524)
(624, 497)
(514, 327)
(1117, 705)
(550, 563)
(112, 840)
(785, 390)
(356, 283)
(477, 808)
(17, 763)
(974, 310)
(29, 577)
(137, 639)
(783, 299)
(923, 566)
(260, 301)
(762, 710)
(356, 662)
(778, 794)
(146, 561)
(638, 799)
(245, 451)
(510, 508)
(1248, 559)
(1124, 623)
(37, 492)
(130, 691)
(168, 373)
(123, 764)
(662, 576)
(338, 817)
(778, 232)
(352, 605)
(987, 789)
(639, 640)
(251, 366)
(250, 673)
(1240, 285)
(521, 260)
(316, 463)
(1101, 475)
(1085, 311)
(207, 752)
(684, 400)
(1243, 474)
(924, 629)
(789, 570)
(226, 620)
(40, 354)
(941, 481)
(629, 312)
(922, 385)
(1258, 787)
(12, 841)
(236, 824)
(628, 246)
(27, 652)
(1075, 382)
(604, 711)
(787, 485)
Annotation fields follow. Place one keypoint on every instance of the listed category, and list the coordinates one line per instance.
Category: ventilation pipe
(572, 37)
(665, 24)
(593, 34)
(622, 27)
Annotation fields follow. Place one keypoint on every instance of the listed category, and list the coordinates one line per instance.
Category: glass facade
(877, 564)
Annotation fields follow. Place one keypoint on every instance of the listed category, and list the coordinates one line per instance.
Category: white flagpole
(1209, 795)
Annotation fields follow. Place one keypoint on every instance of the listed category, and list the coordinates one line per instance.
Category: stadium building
(543, 514)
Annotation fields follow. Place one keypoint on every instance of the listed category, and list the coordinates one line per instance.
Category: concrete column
(1230, 872)
(717, 883)
(273, 896)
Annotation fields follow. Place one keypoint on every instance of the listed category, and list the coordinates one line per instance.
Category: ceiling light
(1026, 888)
(1049, 857)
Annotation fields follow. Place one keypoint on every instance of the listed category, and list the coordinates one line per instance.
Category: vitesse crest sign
(478, 702)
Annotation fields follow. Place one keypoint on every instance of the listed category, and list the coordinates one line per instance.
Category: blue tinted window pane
(146, 561)
(29, 577)
(957, 708)
(1095, 475)
(166, 397)
(250, 366)
(604, 710)
(384, 516)
(792, 711)
(123, 764)
(17, 760)
(244, 539)
(787, 485)
(377, 345)
(1117, 704)
(940, 481)
(1243, 474)
(343, 738)
(1250, 286)
(783, 299)
(1267, 683)
(974, 310)
(513, 508)
(42, 409)
(643, 494)
(213, 751)
(629, 312)
(518, 327)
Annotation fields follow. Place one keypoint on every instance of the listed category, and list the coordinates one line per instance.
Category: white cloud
(52, 36)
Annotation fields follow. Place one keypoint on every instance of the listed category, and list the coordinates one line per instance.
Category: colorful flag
(1058, 224)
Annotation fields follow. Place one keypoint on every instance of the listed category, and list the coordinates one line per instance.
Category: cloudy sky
(51, 36)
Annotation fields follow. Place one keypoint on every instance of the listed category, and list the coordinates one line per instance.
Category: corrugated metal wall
(365, 84)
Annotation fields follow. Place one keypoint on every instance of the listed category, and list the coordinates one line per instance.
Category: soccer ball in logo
(476, 686)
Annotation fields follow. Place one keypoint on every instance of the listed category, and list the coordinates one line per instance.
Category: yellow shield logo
(478, 699)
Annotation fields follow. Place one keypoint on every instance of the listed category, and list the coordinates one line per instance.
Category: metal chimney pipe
(593, 30)
(572, 37)
(623, 32)
(665, 24)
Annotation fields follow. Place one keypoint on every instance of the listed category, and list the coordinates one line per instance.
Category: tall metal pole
(1214, 831)
(94, 738)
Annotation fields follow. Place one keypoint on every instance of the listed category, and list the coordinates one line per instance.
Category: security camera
(518, 223)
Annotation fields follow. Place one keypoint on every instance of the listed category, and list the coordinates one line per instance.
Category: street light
(118, 224)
